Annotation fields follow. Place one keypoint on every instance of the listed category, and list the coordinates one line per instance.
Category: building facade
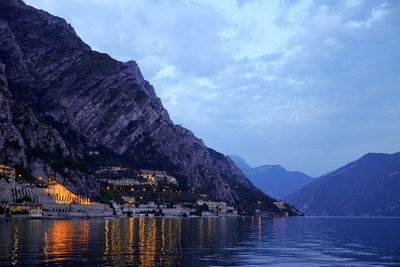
(8, 172)
(33, 208)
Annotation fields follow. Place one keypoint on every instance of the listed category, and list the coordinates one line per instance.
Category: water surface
(308, 241)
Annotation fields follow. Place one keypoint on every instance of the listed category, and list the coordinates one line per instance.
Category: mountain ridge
(274, 180)
(93, 102)
(368, 186)
(240, 162)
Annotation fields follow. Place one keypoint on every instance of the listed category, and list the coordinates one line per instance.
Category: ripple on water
(202, 241)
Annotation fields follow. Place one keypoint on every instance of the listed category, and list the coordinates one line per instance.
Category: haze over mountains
(369, 186)
(273, 180)
(240, 162)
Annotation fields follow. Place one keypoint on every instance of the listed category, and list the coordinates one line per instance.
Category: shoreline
(3, 218)
(107, 217)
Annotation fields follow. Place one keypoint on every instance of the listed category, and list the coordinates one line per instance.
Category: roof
(6, 167)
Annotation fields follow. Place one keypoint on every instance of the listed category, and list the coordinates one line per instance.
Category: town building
(176, 210)
(172, 180)
(128, 200)
(219, 208)
(55, 201)
(121, 182)
(34, 208)
(279, 204)
(112, 169)
(8, 172)
(154, 177)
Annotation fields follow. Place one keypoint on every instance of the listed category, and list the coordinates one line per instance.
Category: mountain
(369, 186)
(276, 181)
(61, 100)
(273, 180)
(240, 162)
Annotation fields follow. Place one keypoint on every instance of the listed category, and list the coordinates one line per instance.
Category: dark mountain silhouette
(369, 186)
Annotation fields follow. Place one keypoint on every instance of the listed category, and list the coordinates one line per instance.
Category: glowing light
(63, 196)
(59, 240)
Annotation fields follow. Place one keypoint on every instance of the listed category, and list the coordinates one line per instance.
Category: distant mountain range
(273, 180)
(369, 186)
(240, 162)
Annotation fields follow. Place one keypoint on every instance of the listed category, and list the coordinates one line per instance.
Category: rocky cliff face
(89, 101)
(27, 143)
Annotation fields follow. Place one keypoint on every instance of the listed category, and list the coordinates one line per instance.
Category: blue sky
(310, 85)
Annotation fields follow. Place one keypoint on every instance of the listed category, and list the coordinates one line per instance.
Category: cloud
(376, 13)
(306, 84)
(167, 72)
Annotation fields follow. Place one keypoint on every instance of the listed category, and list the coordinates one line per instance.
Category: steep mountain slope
(276, 181)
(368, 186)
(34, 148)
(93, 102)
(273, 180)
(240, 162)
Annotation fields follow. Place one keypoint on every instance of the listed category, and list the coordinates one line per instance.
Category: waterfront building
(219, 208)
(34, 208)
(176, 210)
(54, 200)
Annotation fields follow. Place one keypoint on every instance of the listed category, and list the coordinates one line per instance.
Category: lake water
(308, 241)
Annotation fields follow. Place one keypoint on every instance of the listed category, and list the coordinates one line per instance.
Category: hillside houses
(119, 176)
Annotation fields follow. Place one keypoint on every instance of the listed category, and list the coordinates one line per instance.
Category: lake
(306, 241)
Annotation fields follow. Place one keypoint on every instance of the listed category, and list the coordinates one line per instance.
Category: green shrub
(24, 199)
(20, 212)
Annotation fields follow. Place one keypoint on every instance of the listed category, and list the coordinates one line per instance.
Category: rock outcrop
(35, 148)
(89, 101)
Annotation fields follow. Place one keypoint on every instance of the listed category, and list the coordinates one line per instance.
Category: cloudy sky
(310, 85)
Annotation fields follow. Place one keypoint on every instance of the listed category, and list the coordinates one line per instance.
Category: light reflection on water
(201, 241)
